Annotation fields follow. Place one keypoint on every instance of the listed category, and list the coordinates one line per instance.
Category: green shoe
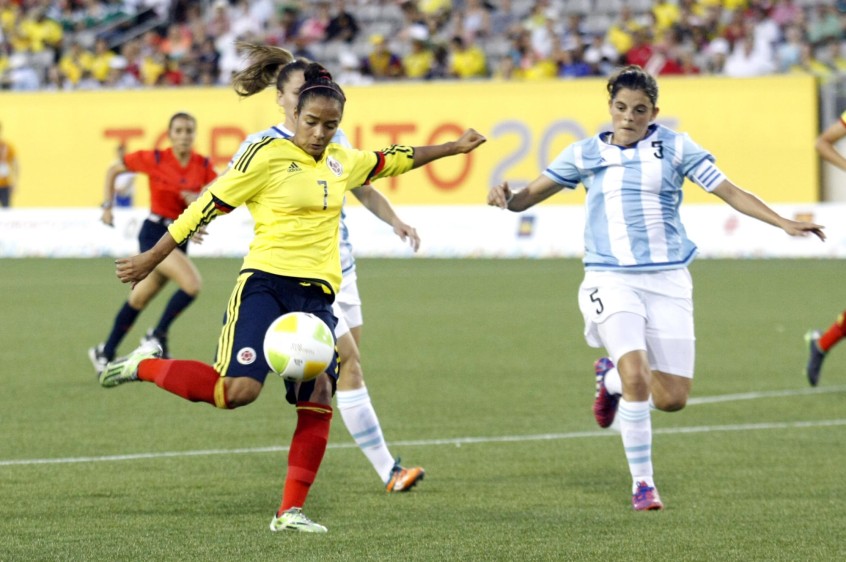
(125, 369)
(294, 520)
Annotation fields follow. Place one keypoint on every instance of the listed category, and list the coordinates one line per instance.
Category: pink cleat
(605, 404)
(646, 498)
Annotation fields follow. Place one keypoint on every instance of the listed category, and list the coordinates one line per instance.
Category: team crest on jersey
(335, 166)
(246, 356)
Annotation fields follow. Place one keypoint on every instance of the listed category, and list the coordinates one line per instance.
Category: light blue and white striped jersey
(280, 132)
(632, 218)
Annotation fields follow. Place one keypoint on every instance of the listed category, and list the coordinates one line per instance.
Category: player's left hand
(407, 233)
(802, 228)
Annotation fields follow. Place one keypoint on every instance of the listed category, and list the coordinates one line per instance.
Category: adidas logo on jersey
(294, 168)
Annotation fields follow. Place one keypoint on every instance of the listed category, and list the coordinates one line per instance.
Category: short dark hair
(633, 77)
(180, 115)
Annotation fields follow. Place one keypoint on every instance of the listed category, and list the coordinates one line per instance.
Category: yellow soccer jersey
(295, 202)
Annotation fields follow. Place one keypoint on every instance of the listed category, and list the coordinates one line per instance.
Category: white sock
(361, 421)
(613, 384)
(636, 430)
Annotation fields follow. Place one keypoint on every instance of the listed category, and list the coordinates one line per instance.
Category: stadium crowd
(90, 44)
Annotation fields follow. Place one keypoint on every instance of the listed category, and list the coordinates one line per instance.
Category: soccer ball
(298, 346)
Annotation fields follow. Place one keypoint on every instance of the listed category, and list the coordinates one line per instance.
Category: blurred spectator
(437, 13)
(9, 171)
(574, 35)
(666, 56)
(666, 15)
(411, 17)
(150, 42)
(809, 64)
(747, 60)
(21, 74)
(716, 55)
(571, 64)
(118, 77)
(789, 52)
(735, 30)
(9, 14)
(785, 13)
(74, 61)
(207, 60)
(381, 63)
(824, 24)
(419, 62)
(600, 55)
(54, 82)
(641, 50)
(350, 73)
(286, 26)
(542, 24)
(620, 34)
(88, 82)
(241, 23)
(172, 75)
(473, 22)
(466, 61)
(152, 68)
(313, 29)
(343, 25)
(39, 36)
(218, 23)
(504, 19)
(100, 61)
(833, 57)
(766, 32)
(300, 48)
(177, 42)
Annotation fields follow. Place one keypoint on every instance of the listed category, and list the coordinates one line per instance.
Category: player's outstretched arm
(467, 142)
(135, 268)
(378, 204)
(504, 197)
(749, 204)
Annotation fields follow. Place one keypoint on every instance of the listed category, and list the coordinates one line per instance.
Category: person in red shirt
(177, 176)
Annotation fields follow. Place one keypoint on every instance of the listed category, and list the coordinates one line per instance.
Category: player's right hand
(107, 218)
(498, 196)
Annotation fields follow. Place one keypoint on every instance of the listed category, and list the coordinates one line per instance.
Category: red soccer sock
(834, 334)
(192, 380)
(307, 448)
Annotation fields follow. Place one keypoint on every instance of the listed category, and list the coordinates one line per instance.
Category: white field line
(458, 441)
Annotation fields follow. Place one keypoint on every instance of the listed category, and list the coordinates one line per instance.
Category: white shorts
(347, 306)
(651, 311)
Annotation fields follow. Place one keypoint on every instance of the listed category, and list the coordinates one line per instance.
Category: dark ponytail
(264, 68)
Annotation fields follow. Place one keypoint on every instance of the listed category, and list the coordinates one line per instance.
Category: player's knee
(193, 286)
(138, 301)
(322, 393)
(241, 391)
(670, 403)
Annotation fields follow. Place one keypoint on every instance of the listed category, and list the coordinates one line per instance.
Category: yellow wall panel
(761, 131)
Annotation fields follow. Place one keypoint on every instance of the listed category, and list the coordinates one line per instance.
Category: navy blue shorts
(152, 231)
(258, 299)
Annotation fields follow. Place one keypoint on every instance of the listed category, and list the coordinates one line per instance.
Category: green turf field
(479, 373)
